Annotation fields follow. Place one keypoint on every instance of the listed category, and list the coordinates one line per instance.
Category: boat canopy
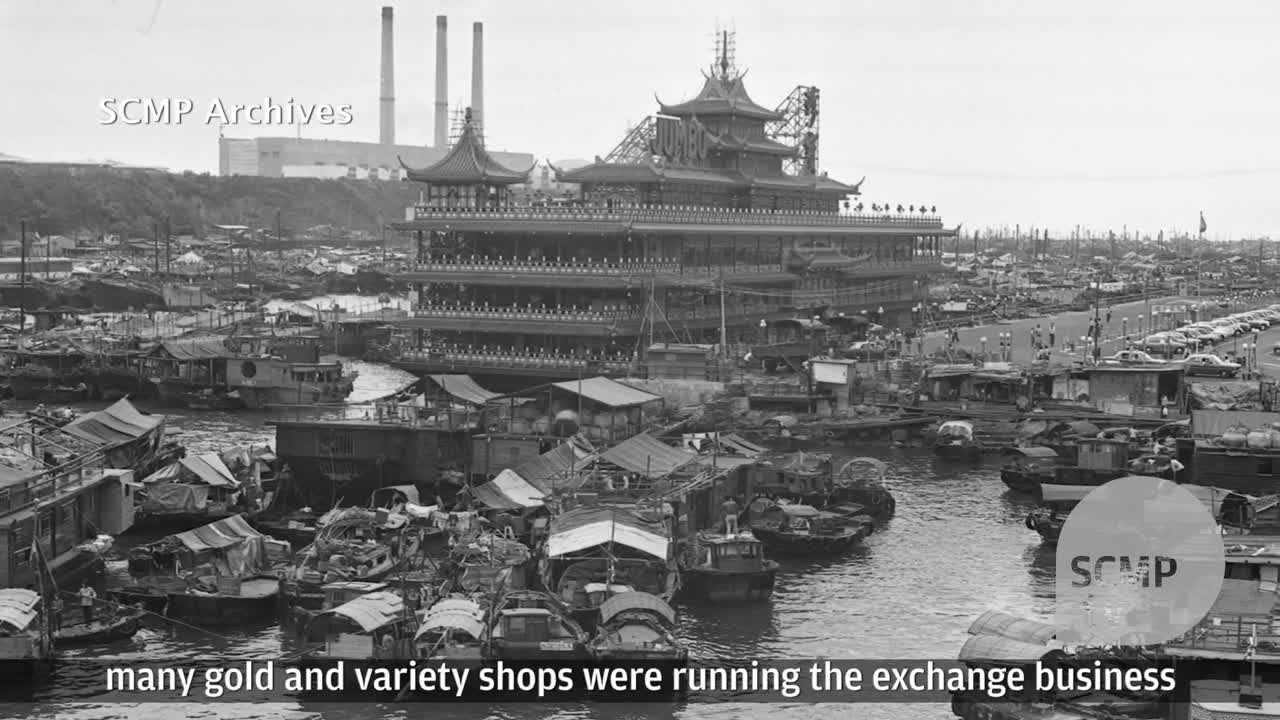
(200, 349)
(1007, 651)
(388, 493)
(372, 611)
(210, 468)
(956, 427)
(464, 388)
(1032, 451)
(587, 527)
(120, 423)
(796, 511)
(875, 465)
(609, 393)
(636, 601)
(647, 454)
(994, 622)
(1051, 493)
(18, 608)
(218, 535)
(453, 614)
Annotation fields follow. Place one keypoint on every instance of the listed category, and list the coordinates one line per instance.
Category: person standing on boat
(1053, 335)
(87, 597)
(731, 511)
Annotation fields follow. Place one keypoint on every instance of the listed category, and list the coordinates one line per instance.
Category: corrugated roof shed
(647, 454)
(464, 388)
(610, 393)
(120, 423)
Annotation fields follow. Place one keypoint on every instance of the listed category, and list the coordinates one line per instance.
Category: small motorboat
(121, 626)
(793, 529)
(956, 441)
(1028, 467)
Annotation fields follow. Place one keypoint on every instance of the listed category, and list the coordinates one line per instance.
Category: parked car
(866, 350)
(1210, 365)
(1163, 346)
(1133, 357)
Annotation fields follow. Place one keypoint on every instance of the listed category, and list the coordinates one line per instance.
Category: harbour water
(956, 548)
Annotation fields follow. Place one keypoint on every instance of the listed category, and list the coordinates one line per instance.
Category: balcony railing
(529, 314)
(1232, 633)
(680, 214)
(605, 267)
(503, 360)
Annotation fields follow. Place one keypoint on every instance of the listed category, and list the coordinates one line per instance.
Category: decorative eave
(467, 162)
(720, 96)
(767, 146)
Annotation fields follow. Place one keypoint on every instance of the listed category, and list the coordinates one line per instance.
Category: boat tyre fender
(830, 434)
(1031, 522)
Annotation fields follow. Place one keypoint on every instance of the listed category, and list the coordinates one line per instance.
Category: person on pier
(87, 598)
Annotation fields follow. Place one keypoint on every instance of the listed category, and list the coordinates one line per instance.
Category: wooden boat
(352, 544)
(192, 492)
(57, 417)
(529, 625)
(791, 529)
(121, 626)
(1028, 467)
(336, 594)
(727, 568)
(223, 570)
(862, 481)
(451, 629)
(592, 553)
(1055, 506)
(956, 441)
(638, 627)
(25, 641)
(369, 631)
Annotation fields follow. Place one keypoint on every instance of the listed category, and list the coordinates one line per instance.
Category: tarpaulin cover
(636, 601)
(176, 497)
(456, 614)
(994, 648)
(608, 392)
(219, 535)
(18, 607)
(120, 423)
(508, 491)
(994, 622)
(373, 611)
(202, 349)
(647, 454)
(464, 388)
(210, 469)
(587, 527)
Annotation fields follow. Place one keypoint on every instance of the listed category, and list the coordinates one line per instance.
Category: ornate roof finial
(466, 116)
(724, 54)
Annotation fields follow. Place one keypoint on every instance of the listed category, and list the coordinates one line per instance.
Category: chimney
(477, 75)
(442, 82)
(387, 102)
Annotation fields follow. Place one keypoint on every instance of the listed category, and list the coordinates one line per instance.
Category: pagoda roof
(625, 173)
(721, 95)
(770, 146)
(468, 162)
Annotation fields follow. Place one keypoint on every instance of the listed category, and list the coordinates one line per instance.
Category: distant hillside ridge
(96, 201)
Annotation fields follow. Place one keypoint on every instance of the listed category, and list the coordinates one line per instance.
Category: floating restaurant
(707, 221)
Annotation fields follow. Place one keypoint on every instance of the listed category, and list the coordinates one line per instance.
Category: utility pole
(155, 246)
(168, 245)
(724, 334)
(22, 282)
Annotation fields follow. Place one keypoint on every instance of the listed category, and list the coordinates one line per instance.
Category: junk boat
(351, 544)
(861, 483)
(216, 575)
(727, 568)
(1056, 502)
(528, 625)
(486, 563)
(189, 493)
(791, 529)
(638, 627)
(451, 629)
(374, 627)
(592, 553)
(956, 441)
(1028, 467)
(25, 641)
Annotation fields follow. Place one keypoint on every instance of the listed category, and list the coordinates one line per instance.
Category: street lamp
(983, 340)
(1084, 347)
(1247, 356)
(1140, 317)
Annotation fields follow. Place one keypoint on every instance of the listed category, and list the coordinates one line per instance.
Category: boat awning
(799, 511)
(996, 649)
(636, 601)
(464, 388)
(202, 349)
(994, 622)
(1214, 498)
(372, 611)
(508, 491)
(210, 469)
(218, 535)
(609, 393)
(587, 527)
(647, 454)
(164, 474)
(18, 607)
(453, 614)
(120, 423)
(410, 492)
(736, 442)
(1035, 451)
(1064, 493)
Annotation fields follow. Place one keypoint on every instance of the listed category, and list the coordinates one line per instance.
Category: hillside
(60, 201)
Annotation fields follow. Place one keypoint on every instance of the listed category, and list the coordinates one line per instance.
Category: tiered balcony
(528, 314)
(527, 363)
(683, 215)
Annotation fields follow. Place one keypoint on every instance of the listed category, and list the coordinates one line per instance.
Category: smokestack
(387, 104)
(442, 82)
(477, 74)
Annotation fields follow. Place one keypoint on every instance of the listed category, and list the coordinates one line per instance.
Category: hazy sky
(1016, 111)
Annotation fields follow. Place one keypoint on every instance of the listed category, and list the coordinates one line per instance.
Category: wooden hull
(176, 522)
(98, 633)
(791, 544)
(261, 398)
(1049, 528)
(963, 451)
(150, 599)
(1023, 481)
(705, 585)
(33, 388)
(257, 603)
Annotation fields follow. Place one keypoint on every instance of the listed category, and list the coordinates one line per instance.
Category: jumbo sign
(674, 139)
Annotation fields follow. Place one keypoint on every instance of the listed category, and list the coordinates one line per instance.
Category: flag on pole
(1203, 226)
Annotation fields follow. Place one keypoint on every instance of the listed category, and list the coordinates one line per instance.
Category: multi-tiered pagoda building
(710, 221)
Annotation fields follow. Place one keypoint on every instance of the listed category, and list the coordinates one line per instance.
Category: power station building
(331, 159)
